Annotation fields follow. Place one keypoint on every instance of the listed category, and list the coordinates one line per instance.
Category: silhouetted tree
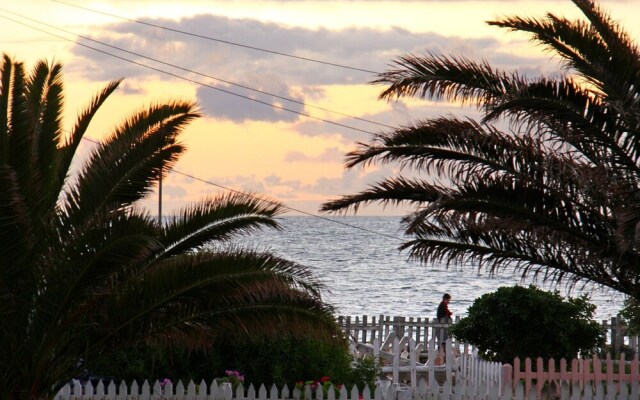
(557, 194)
(84, 272)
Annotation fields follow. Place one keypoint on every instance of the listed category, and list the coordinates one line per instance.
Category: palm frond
(43, 90)
(213, 290)
(21, 137)
(447, 146)
(392, 191)
(583, 49)
(16, 238)
(68, 150)
(126, 166)
(450, 78)
(218, 219)
(595, 130)
(5, 94)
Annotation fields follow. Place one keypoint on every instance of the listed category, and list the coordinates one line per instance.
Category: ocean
(357, 259)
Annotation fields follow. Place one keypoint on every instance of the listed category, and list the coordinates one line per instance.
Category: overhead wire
(217, 39)
(175, 75)
(271, 201)
(200, 73)
(212, 87)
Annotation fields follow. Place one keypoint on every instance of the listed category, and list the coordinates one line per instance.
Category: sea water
(358, 261)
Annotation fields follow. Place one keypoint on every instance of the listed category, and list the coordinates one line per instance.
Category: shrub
(157, 361)
(288, 360)
(631, 315)
(365, 371)
(528, 322)
(264, 359)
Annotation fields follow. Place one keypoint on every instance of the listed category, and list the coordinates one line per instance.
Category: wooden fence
(579, 378)
(469, 376)
(364, 329)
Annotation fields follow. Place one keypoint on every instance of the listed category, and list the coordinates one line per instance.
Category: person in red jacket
(443, 315)
(443, 308)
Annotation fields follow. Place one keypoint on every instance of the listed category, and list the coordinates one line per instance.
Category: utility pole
(160, 198)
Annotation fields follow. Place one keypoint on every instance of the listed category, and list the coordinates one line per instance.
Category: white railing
(439, 368)
(365, 329)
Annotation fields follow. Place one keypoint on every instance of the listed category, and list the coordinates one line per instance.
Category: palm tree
(555, 195)
(83, 271)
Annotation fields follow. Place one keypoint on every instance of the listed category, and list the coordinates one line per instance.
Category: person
(443, 315)
(443, 308)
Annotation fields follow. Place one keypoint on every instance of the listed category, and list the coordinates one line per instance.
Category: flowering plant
(163, 383)
(324, 382)
(234, 377)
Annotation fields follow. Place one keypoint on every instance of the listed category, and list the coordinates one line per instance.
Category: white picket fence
(412, 372)
(461, 376)
(444, 368)
(463, 390)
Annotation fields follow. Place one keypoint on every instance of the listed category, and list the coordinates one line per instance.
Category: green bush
(528, 322)
(287, 360)
(631, 315)
(265, 360)
(365, 371)
(156, 362)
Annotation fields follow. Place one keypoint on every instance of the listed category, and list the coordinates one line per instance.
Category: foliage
(324, 383)
(287, 359)
(365, 371)
(529, 322)
(631, 315)
(262, 359)
(85, 272)
(233, 377)
(556, 194)
(149, 361)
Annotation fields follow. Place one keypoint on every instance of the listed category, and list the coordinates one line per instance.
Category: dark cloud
(218, 64)
(246, 105)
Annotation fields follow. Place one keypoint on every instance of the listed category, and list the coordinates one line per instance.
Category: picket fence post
(463, 376)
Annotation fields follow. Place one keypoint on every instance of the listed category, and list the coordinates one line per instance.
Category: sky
(223, 55)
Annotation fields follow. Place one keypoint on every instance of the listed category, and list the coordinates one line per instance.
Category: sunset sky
(252, 146)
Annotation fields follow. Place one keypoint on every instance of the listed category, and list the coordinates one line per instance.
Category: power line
(290, 208)
(216, 39)
(185, 78)
(271, 201)
(228, 92)
(201, 74)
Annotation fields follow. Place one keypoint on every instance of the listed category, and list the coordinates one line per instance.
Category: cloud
(251, 105)
(399, 114)
(351, 181)
(222, 65)
(128, 88)
(332, 154)
(174, 192)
